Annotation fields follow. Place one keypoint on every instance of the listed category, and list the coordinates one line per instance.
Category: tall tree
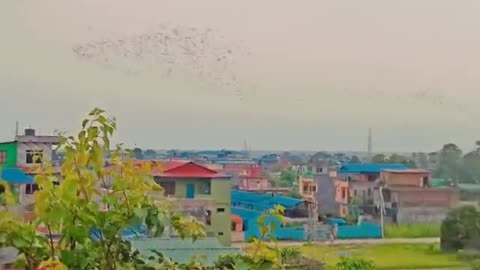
(379, 158)
(288, 176)
(450, 162)
(150, 153)
(138, 153)
(355, 159)
(471, 165)
(422, 160)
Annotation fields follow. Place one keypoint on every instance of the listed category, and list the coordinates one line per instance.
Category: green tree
(422, 160)
(288, 176)
(379, 158)
(91, 223)
(471, 165)
(138, 152)
(461, 230)
(355, 159)
(150, 153)
(450, 162)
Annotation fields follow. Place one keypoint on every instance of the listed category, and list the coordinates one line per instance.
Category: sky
(296, 75)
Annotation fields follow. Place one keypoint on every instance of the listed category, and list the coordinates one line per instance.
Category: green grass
(387, 256)
(412, 230)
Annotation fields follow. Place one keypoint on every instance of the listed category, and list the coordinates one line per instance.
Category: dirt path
(358, 242)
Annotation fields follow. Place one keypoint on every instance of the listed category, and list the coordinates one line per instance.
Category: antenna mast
(369, 146)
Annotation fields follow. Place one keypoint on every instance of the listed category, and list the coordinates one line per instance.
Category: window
(208, 220)
(169, 187)
(3, 157)
(31, 188)
(354, 192)
(220, 233)
(220, 210)
(314, 188)
(205, 188)
(344, 193)
(34, 156)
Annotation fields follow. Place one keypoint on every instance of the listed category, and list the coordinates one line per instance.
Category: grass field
(387, 256)
(412, 230)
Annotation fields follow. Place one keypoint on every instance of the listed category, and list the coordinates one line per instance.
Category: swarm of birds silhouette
(201, 53)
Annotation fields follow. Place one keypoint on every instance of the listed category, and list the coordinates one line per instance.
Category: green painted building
(201, 192)
(8, 154)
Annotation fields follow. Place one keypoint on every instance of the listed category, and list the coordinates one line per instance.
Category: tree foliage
(394, 159)
(93, 205)
(288, 176)
(91, 220)
(461, 229)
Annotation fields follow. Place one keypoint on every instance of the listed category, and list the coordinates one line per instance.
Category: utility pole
(382, 211)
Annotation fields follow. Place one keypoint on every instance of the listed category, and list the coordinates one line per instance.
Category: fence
(364, 230)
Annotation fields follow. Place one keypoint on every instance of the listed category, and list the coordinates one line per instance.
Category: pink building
(247, 177)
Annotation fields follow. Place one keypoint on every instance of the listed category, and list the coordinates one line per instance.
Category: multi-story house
(247, 177)
(358, 181)
(25, 152)
(201, 192)
(407, 196)
(308, 188)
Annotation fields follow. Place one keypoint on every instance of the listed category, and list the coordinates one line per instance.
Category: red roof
(173, 164)
(188, 169)
(244, 171)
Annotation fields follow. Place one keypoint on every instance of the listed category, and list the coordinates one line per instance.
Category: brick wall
(403, 179)
(442, 197)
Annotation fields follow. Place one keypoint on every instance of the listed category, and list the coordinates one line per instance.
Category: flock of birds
(206, 55)
(168, 51)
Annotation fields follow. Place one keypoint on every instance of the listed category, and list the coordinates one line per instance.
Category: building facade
(201, 192)
(409, 198)
(26, 152)
(358, 182)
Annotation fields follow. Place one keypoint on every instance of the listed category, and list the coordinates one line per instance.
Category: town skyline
(317, 81)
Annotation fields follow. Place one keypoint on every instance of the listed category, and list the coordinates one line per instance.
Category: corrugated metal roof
(208, 250)
(262, 200)
(15, 176)
(370, 168)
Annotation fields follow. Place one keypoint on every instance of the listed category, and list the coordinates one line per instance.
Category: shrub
(475, 265)
(460, 229)
(290, 255)
(355, 264)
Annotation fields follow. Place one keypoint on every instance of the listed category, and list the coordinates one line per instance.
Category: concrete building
(201, 192)
(409, 198)
(26, 152)
(359, 181)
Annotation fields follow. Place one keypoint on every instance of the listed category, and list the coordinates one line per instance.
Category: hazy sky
(309, 75)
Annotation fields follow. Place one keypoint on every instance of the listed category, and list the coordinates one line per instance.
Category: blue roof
(370, 168)
(263, 201)
(15, 176)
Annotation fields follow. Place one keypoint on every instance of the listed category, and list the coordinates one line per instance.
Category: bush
(412, 230)
(355, 264)
(460, 229)
(290, 255)
(475, 265)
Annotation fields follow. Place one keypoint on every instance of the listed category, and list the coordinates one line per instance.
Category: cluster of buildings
(228, 191)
